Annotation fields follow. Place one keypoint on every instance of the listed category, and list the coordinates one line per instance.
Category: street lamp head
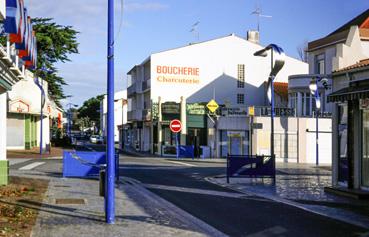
(313, 86)
(278, 59)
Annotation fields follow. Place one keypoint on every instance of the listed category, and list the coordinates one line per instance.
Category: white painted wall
(217, 61)
(27, 91)
(3, 105)
(118, 113)
(304, 130)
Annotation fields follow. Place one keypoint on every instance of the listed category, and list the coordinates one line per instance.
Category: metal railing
(146, 85)
(131, 89)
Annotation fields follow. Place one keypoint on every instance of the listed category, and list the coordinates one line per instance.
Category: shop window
(240, 98)
(241, 76)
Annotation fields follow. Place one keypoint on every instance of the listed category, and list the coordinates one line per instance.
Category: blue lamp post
(277, 63)
(110, 163)
(41, 112)
(313, 86)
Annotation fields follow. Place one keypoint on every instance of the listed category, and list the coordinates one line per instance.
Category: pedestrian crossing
(31, 166)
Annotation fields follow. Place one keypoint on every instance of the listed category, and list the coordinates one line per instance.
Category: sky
(149, 26)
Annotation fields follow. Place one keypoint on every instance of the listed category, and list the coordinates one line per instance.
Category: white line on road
(31, 166)
(181, 163)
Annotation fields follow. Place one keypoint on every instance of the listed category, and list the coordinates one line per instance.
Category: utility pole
(110, 159)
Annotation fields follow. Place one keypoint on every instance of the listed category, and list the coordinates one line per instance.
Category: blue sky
(155, 25)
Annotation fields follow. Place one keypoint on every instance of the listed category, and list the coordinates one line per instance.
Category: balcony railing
(146, 114)
(282, 112)
(146, 85)
(131, 90)
(131, 115)
(265, 111)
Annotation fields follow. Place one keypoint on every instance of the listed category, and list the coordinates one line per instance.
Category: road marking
(181, 163)
(31, 166)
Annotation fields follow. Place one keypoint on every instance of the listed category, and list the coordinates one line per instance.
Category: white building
(24, 115)
(11, 72)
(177, 83)
(344, 47)
(120, 113)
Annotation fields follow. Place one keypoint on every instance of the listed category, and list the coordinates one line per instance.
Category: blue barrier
(186, 152)
(87, 164)
(250, 166)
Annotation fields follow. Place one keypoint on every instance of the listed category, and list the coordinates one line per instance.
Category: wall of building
(216, 62)
(119, 114)
(294, 139)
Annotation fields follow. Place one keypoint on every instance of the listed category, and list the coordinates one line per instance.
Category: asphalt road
(234, 216)
(232, 213)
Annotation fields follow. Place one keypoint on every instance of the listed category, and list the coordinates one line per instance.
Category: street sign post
(176, 126)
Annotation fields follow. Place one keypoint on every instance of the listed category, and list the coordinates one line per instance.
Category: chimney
(253, 36)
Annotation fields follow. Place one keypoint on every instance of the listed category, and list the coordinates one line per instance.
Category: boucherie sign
(177, 75)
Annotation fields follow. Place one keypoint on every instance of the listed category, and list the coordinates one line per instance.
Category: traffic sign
(257, 126)
(212, 106)
(251, 110)
(175, 126)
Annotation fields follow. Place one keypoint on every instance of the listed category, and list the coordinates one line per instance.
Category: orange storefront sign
(178, 75)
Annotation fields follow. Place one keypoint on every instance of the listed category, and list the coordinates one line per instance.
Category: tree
(83, 123)
(91, 109)
(302, 51)
(54, 44)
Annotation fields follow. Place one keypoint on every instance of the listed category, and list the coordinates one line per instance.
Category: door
(343, 172)
(365, 156)
(235, 143)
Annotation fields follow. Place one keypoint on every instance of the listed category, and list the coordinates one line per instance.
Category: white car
(96, 139)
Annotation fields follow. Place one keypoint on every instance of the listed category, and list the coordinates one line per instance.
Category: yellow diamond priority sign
(212, 106)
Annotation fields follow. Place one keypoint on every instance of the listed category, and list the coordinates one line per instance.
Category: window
(240, 99)
(320, 64)
(241, 76)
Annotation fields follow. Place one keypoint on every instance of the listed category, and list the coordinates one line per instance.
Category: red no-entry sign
(175, 126)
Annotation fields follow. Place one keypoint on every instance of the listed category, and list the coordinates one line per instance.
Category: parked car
(96, 139)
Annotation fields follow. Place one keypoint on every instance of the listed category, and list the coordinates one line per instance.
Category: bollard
(102, 183)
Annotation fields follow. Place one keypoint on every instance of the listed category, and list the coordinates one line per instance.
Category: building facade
(120, 114)
(24, 115)
(345, 46)
(350, 99)
(178, 83)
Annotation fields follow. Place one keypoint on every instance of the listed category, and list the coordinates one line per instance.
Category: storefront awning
(349, 93)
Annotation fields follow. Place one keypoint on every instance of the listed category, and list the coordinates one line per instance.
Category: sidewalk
(138, 212)
(56, 152)
(302, 185)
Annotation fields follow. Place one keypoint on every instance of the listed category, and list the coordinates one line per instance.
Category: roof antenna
(258, 13)
(195, 31)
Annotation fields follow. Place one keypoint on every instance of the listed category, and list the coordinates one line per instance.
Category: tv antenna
(258, 13)
(195, 31)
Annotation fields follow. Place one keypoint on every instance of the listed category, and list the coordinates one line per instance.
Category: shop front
(197, 128)
(351, 129)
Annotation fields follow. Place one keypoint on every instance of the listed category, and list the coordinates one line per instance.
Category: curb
(173, 209)
(196, 161)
